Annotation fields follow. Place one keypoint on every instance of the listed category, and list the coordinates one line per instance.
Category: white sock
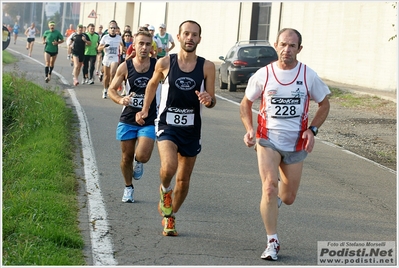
(269, 237)
(165, 190)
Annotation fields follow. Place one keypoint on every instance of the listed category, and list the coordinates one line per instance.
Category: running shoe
(138, 170)
(46, 79)
(128, 195)
(90, 82)
(165, 203)
(271, 250)
(104, 94)
(169, 226)
(75, 82)
(86, 80)
(69, 57)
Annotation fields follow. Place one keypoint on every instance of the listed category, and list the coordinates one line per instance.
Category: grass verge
(40, 207)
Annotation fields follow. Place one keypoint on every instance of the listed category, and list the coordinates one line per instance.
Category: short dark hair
(143, 29)
(190, 21)
(145, 33)
(90, 25)
(290, 29)
(127, 32)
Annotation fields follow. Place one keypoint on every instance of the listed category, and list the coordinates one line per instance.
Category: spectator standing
(90, 57)
(31, 33)
(165, 38)
(51, 39)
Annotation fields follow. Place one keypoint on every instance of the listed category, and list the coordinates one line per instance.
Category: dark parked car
(242, 61)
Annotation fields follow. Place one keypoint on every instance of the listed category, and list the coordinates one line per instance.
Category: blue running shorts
(128, 132)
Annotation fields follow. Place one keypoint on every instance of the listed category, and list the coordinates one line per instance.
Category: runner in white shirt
(31, 33)
(112, 44)
(283, 138)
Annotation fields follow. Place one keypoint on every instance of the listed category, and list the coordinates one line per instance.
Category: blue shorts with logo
(128, 132)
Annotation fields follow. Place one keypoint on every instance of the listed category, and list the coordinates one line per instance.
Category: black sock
(46, 70)
(131, 186)
(51, 69)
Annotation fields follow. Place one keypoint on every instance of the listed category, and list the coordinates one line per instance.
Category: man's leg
(268, 163)
(114, 67)
(92, 60)
(31, 48)
(144, 149)
(184, 169)
(106, 80)
(85, 70)
(169, 161)
(289, 184)
(47, 65)
(128, 147)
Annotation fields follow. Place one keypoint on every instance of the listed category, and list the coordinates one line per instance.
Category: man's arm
(87, 41)
(208, 97)
(246, 118)
(318, 120)
(173, 45)
(119, 77)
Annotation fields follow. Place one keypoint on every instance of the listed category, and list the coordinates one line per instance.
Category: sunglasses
(112, 27)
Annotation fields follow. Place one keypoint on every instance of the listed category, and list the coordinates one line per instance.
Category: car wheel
(232, 87)
(221, 84)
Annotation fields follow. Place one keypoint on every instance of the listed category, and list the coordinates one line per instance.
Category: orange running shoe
(169, 226)
(165, 203)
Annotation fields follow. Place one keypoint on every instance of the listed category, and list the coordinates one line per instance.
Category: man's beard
(191, 49)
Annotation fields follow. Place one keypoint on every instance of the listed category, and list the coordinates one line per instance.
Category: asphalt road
(342, 197)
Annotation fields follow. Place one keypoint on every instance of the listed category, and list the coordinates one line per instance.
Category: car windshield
(256, 52)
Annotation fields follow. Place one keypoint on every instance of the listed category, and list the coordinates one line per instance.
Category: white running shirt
(285, 95)
(111, 53)
(31, 32)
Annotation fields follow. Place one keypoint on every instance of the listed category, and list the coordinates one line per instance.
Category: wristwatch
(314, 129)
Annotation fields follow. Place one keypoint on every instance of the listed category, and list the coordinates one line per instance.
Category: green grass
(351, 100)
(8, 58)
(40, 207)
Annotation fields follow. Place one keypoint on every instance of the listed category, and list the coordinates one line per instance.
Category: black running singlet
(180, 109)
(137, 83)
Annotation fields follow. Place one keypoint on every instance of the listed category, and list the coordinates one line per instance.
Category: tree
(57, 19)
